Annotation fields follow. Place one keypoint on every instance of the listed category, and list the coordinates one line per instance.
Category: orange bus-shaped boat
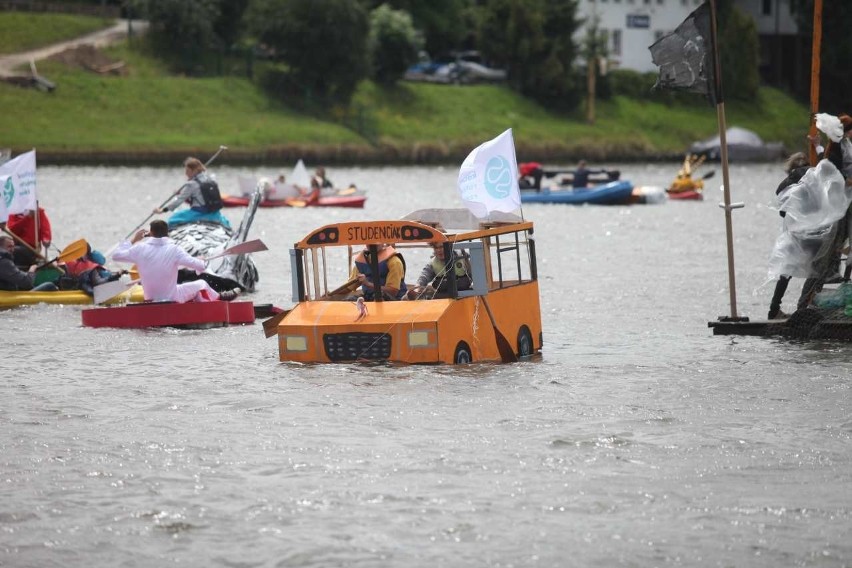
(497, 318)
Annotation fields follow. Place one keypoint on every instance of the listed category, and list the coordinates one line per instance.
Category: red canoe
(324, 201)
(196, 315)
(686, 195)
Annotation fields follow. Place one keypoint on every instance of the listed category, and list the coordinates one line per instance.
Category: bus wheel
(525, 342)
(462, 355)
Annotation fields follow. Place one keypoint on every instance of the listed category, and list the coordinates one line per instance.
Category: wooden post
(816, 47)
(590, 100)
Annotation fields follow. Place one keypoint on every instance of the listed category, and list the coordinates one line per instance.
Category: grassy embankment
(151, 115)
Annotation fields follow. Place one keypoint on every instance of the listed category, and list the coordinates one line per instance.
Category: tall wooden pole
(591, 80)
(723, 144)
(816, 47)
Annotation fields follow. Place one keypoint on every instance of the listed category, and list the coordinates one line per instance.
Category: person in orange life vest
(391, 273)
(307, 197)
(89, 271)
(23, 225)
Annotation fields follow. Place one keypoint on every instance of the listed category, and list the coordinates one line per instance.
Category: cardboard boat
(195, 315)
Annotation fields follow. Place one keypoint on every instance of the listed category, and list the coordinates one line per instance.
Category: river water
(637, 439)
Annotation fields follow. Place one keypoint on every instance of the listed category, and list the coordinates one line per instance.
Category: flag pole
(726, 187)
(816, 48)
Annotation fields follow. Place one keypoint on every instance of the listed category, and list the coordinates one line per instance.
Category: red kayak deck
(171, 314)
(326, 201)
(686, 195)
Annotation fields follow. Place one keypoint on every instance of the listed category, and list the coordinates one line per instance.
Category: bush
(393, 44)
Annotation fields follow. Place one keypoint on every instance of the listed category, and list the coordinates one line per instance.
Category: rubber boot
(780, 289)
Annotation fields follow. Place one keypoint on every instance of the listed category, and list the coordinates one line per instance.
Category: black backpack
(212, 197)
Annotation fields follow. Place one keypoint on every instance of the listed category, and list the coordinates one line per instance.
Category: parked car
(457, 68)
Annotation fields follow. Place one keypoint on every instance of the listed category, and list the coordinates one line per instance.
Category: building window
(616, 42)
(766, 8)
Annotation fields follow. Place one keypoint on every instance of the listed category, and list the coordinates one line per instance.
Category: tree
(392, 42)
(182, 29)
(323, 43)
(444, 24)
(739, 53)
(835, 90)
(533, 40)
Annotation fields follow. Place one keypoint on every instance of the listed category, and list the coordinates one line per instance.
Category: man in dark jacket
(14, 279)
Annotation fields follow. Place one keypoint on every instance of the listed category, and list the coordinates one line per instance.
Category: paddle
(72, 252)
(270, 326)
(709, 174)
(163, 204)
(296, 203)
(21, 241)
(554, 173)
(256, 245)
(507, 354)
(109, 290)
(347, 287)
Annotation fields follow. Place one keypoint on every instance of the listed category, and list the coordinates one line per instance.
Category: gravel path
(108, 36)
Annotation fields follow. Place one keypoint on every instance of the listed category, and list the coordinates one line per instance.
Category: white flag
(300, 175)
(18, 179)
(488, 178)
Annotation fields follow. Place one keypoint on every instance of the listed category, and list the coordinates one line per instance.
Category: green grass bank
(147, 115)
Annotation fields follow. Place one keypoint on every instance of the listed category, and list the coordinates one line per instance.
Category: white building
(633, 25)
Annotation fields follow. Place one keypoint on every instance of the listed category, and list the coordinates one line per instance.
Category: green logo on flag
(8, 191)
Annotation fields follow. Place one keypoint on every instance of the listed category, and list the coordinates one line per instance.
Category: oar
(507, 354)
(109, 290)
(709, 174)
(296, 203)
(73, 251)
(270, 326)
(163, 204)
(256, 245)
(21, 241)
(347, 287)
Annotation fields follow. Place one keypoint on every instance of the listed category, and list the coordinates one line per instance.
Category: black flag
(686, 57)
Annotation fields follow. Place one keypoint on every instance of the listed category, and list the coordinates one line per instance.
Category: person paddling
(158, 260)
(201, 192)
(11, 277)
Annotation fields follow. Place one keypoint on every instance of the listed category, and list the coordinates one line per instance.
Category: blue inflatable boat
(617, 192)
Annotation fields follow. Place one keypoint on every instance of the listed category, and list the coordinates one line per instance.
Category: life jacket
(362, 263)
(77, 267)
(211, 195)
(463, 281)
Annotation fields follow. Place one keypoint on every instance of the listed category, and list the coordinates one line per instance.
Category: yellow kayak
(75, 297)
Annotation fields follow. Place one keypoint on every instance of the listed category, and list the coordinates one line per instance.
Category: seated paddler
(391, 273)
(201, 193)
(434, 279)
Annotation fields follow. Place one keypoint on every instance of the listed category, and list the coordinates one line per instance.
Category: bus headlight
(296, 343)
(418, 338)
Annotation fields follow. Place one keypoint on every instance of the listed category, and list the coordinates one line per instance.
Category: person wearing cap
(391, 273)
(434, 279)
(13, 278)
(158, 260)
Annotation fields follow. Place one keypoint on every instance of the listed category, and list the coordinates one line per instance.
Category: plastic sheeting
(813, 206)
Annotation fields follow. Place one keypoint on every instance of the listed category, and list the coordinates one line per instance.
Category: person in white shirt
(158, 260)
